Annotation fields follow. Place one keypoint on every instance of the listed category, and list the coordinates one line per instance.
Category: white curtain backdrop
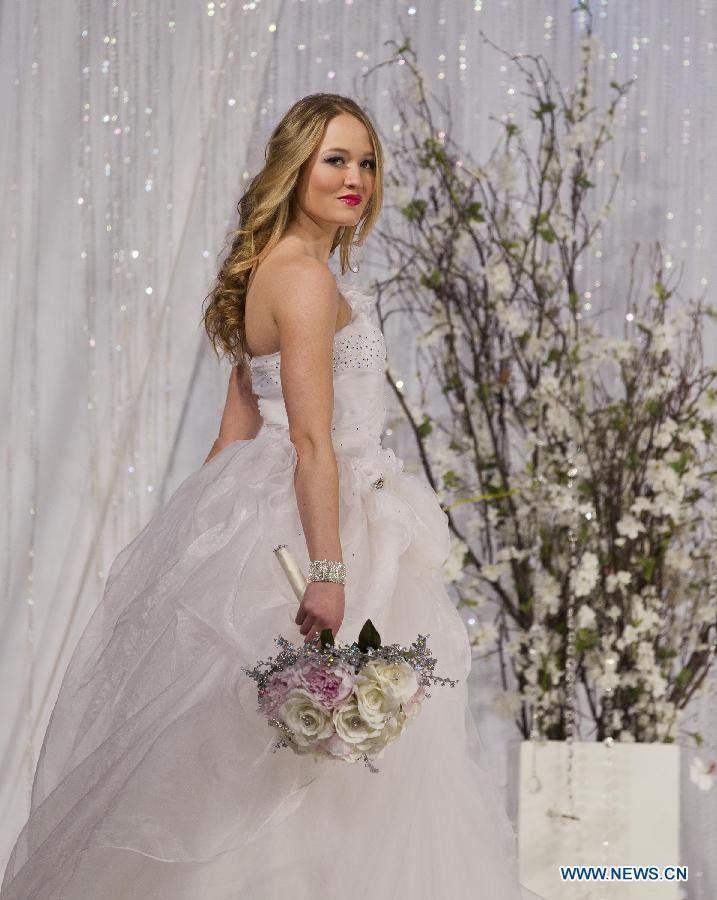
(131, 130)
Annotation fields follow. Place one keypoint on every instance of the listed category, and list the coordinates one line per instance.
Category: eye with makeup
(331, 159)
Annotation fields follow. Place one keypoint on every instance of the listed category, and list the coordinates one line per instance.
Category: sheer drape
(132, 132)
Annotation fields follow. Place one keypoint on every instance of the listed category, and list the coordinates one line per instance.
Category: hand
(322, 606)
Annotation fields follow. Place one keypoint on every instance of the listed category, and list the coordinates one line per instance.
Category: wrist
(327, 570)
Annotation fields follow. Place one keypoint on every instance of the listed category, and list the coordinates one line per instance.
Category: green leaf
(527, 605)
(544, 679)
(369, 637)
(431, 281)
(681, 464)
(482, 391)
(327, 638)
(453, 383)
(415, 210)
(543, 109)
(633, 460)
(541, 218)
(425, 428)
(473, 212)
(647, 566)
(586, 638)
(699, 740)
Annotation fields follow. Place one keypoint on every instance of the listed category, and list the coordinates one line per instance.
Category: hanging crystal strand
(570, 687)
(534, 783)
(610, 665)
(536, 736)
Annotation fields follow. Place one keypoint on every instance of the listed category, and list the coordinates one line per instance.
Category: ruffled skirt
(158, 779)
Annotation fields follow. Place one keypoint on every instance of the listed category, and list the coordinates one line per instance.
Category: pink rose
(277, 688)
(330, 685)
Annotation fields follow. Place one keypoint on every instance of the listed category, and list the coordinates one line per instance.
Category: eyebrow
(343, 150)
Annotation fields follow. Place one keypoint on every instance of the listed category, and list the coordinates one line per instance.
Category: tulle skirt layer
(158, 779)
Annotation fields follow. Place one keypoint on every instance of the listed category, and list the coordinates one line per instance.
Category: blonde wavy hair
(267, 207)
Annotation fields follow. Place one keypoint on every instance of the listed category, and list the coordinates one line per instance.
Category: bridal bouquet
(342, 702)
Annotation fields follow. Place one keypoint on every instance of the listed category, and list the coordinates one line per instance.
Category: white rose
(392, 729)
(306, 717)
(350, 724)
(376, 701)
(399, 675)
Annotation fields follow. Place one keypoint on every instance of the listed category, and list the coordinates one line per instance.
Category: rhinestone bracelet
(327, 570)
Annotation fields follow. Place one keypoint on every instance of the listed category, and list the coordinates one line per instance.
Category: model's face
(344, 164)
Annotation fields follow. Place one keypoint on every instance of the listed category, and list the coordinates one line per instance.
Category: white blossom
(452, 568)
(666, 433)
(619, 579)
(493, 571)
(702, 775)
(511, 319)
(500, 281)
(642, 504)
(507, 703)
(584, 579)
(505, 172)
(630, 527)
(586, 617)
(483, 634)
(547, 591)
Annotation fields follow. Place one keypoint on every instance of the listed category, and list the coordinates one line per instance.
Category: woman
(156, 777)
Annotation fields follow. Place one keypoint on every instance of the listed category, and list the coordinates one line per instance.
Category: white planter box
(627, 803)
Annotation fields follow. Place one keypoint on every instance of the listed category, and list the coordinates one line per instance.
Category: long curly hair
(266, 208)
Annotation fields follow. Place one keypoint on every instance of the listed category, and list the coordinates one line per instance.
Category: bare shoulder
(305, 302)
(301, 287)
(302, 296)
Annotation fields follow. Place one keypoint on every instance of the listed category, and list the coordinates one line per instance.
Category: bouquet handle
(292, 571)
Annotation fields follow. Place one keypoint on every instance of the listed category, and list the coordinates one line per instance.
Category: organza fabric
(158, 779)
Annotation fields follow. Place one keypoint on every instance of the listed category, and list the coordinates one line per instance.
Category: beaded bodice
(359, 364)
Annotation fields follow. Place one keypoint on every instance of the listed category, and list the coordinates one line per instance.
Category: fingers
(300, 616)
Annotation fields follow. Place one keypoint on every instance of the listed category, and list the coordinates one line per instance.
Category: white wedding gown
(156, 777)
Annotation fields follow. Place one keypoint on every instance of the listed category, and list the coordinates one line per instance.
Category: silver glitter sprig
(417, 655)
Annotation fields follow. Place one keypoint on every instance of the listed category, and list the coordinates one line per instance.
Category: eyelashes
(331, 159)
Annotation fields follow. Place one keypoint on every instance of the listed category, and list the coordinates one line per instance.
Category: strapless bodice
(359, 366)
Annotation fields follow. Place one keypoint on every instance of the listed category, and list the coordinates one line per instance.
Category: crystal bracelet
(327, 570)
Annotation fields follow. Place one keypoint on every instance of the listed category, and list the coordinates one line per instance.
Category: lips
(350, 199)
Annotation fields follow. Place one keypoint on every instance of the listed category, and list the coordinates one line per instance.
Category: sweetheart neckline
(354, 314)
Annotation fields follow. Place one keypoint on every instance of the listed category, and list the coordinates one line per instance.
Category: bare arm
(241, 419)
(305, 309)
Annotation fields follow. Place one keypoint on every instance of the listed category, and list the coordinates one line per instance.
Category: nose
(353, 177)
